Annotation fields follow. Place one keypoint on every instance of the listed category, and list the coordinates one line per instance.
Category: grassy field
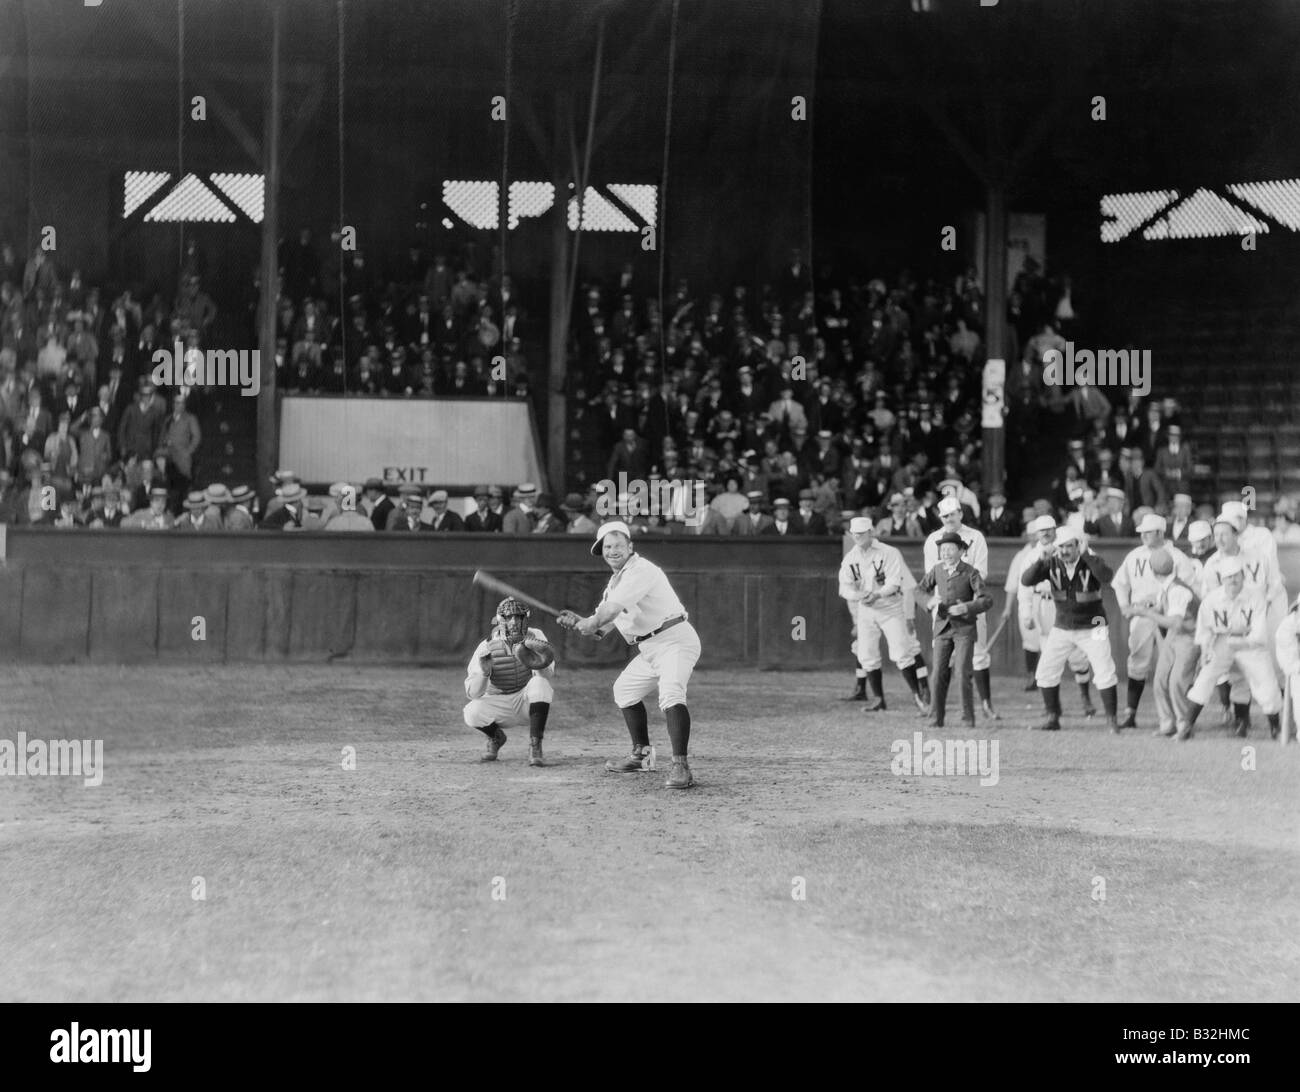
(377, 883)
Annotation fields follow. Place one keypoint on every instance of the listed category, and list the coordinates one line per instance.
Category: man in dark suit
(484, 520)
(783, 523)
(812, 521)
(438, 517)
(292, 514)
(1180, 521)
(407, 517)
(1143, 488)
(629, 457)
(1174, 461)
(753, 521)
(141, 426)
(94, 449)
(1114, 523)
(375, 503)
(997, 520)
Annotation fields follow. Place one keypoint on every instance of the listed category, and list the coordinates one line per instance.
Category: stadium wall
(134, 597)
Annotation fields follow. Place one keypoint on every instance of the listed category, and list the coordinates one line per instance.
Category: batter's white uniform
(1136, 585)
(666, 659)
(880, 568)
(1260, 568)
(489, 705)
(1216, 622)
(977, 554)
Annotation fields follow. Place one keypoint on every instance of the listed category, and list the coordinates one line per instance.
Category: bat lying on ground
(493, 584)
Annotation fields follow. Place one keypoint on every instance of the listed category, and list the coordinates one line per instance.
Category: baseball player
(1200, 539)
(640, 603)
(1076, 577)
(1024, 605)
(1232, 631)
(1037, 611)
(874, 579)
(1137, 586)
(977, 555)
(1287, 643)
(1174, 614)
(509, 681)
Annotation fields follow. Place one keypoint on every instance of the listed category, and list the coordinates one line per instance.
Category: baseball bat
(996, 633)
(491, 583)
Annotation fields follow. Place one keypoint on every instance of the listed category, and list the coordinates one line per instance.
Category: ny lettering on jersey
(880, 572)
(1221, 618)
(856, 570)
(1140, 565)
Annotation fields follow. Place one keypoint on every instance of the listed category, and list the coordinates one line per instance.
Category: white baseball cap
(1068, 534)
(1151, 522)
(860, 524)
(1198, 530)
(1042, 523)
(606, 528)
(1234, 512)
(1230, 566)
(949, 505)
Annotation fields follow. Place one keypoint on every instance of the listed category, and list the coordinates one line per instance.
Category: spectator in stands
(731, 502)
(483, 519)
(1151, 435)
(1286, 532)
(439, 517)
(196, 518)
(239, 516)
(61, 449)
(899, 523)
(154, 516)
(1143, 488)
(8, 498)
(375, 504)
(575, 510)
(808, 518)
(629, 457)
(1067, 492)
(998, 521)
(1113, 523)
(141, 426)
(346, 515)
(1180, 520)
(180, 438)
(1174, 465)
(291, 513)
(753, 521)
(519, 519)
(406, 517)
(547, 520)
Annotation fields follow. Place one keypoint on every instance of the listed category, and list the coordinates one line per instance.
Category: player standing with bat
(640, 603)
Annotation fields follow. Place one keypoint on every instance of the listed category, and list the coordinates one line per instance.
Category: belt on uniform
(667, 625)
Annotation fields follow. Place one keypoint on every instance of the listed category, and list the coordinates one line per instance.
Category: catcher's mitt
(534, 654)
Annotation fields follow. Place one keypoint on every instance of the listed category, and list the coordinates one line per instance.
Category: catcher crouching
(509, 681)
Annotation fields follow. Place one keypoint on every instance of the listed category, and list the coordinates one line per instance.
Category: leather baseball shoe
(535, 752)
(875, 703)
(989, 711)
(680, 775)
(494, 744)
(1113, 724)
(1130, 719)
(1165, 730)
(1052, 723)
(640, 759)
(859, 694)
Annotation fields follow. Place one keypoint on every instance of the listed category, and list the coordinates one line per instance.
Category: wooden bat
(492, 584)
(997, 632)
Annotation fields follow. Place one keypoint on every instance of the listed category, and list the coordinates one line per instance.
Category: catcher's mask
(512, 617)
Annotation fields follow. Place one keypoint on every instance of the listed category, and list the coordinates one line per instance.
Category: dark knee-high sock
(1241, 710)
(1225, 694)
(982, 685)
(909, 677)
(1274, 723)
(1109, 699)
(679, 729)
(876, 682)
(1193, 711)
(1135, 688)
(1031, 661)
(1083, 692)
(537, 714)
(922, 672)
(638, 724)
(491, 730)
(1051, 699)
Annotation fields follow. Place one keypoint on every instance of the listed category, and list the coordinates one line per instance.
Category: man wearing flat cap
(575, 510)
(438, 517)
(483, 520)
(406, 517)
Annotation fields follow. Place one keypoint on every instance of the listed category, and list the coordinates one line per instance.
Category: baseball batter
(1077, 577)
(874, 580)
(509, 681)
(1232, 631)
(1137, 586)
(977, 555)
(640, 603)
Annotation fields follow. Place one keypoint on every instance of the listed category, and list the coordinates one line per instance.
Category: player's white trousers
(904, 648)
(1253, 663)
(665, 661)
(1060, 644)
(506, 709)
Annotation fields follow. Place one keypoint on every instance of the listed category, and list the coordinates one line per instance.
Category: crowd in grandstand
(791, 408)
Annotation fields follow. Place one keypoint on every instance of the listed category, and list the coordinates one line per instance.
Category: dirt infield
(378, 883)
